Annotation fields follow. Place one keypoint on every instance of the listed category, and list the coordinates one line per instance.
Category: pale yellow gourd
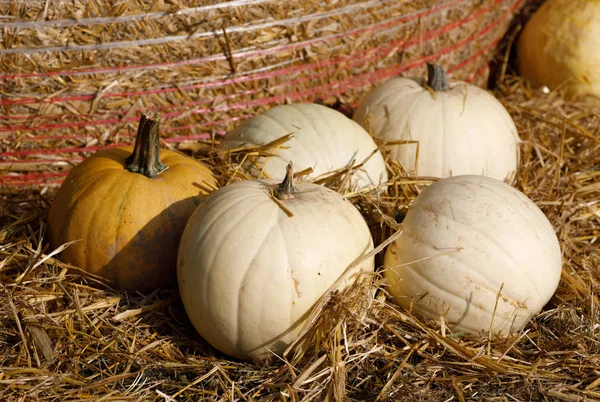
(560, 47)
(251, 267)
(322, 139)
(441, 128)
(477, 252)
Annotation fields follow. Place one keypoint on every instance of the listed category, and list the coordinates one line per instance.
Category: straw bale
(74, 76)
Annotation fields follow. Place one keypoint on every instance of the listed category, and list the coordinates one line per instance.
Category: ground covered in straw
(63, 338)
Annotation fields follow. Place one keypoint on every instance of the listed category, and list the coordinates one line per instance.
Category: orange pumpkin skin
(129, 225)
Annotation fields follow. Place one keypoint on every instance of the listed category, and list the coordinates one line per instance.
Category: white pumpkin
(465, 240)
(442, 129)
(323, 139)
(249, 273)
(559, 46)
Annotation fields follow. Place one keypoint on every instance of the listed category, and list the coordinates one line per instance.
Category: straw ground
(65, 337)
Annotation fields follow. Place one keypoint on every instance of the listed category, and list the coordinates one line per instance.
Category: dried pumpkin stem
(145, 158)
(286, 190)
(437, 78)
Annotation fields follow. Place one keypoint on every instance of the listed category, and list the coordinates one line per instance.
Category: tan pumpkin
(127, 207)
(441, 127)
(476, 251)
(560, 46)
(323, 139)
(256, 256)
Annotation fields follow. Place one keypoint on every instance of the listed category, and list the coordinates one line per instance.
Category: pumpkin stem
(145, 158)
(286, 190)
(437, 78)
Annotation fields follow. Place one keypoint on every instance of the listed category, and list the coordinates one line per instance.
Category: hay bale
(74, 78)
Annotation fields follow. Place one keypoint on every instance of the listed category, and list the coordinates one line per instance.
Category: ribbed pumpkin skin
(464, 238)
(463, 130)
(249, 274)
(324, 140)
(129, 224)
(559, 46)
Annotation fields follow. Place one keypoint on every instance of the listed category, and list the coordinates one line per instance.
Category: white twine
(123, 18)
(354, 8)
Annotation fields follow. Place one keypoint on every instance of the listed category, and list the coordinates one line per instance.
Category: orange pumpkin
(128, 207)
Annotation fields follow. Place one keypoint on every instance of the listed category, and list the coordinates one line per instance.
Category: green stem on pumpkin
(145, 158)
(437, 78)
(286, 190)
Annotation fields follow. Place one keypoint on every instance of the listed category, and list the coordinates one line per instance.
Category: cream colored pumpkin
(465, 240)
(560, 46)
(323, 139)
(249, 273)
(448, 129)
